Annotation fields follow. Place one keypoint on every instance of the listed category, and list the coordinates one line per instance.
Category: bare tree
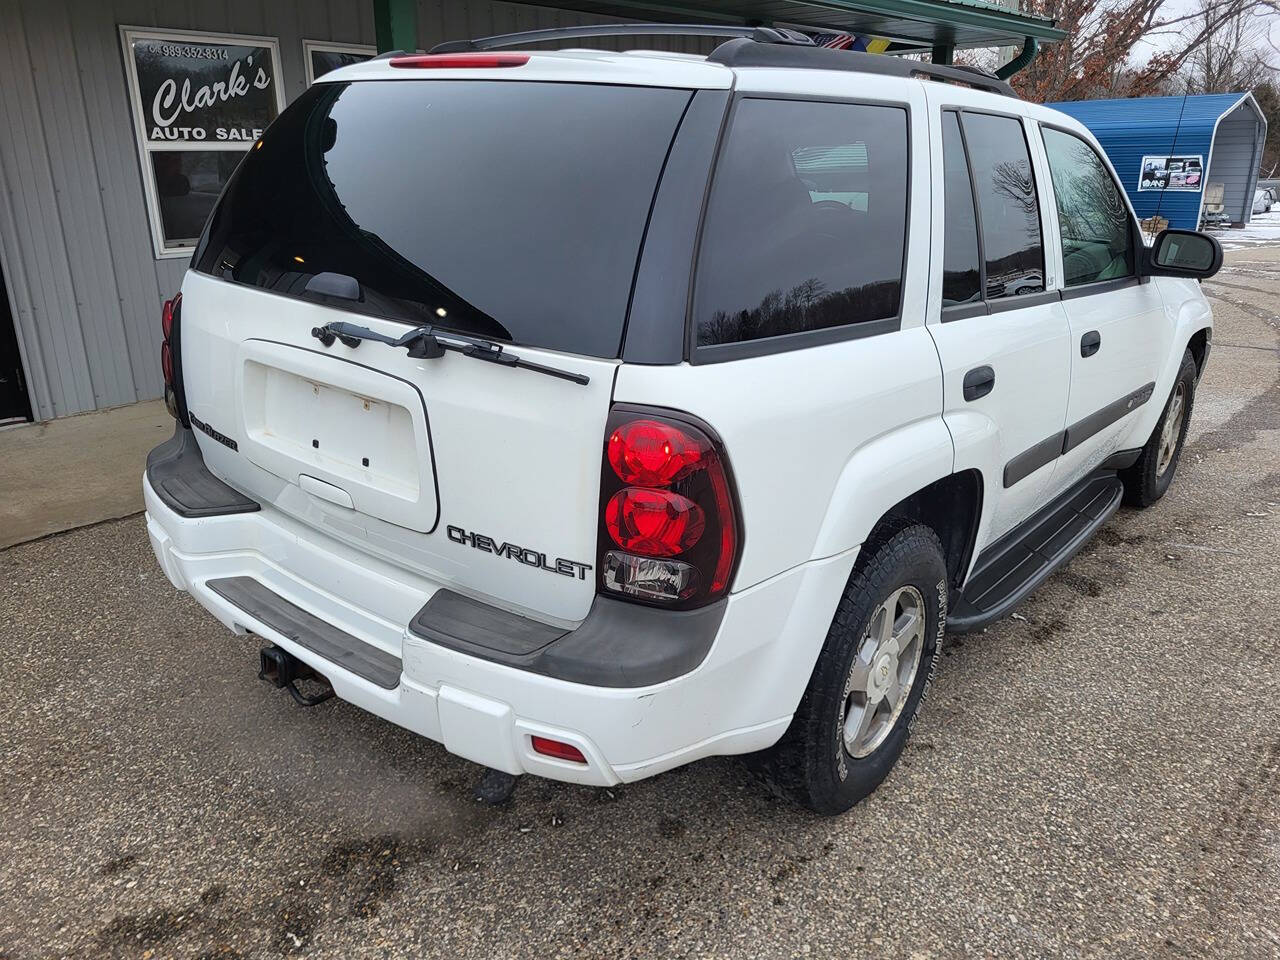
(1234, 56)
(1096, 59)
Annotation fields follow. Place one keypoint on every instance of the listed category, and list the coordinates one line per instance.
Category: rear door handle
(978, 382)
(1090, 343)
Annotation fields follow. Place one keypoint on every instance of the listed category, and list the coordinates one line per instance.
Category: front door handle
(1090, 343)
(978, 382)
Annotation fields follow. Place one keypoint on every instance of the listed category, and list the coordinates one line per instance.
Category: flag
(848, 41)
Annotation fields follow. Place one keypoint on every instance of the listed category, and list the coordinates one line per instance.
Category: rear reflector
(561, 751)
(460, 61)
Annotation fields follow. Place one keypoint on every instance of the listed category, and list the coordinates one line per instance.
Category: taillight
(170, 358)
(166, 316)
(455, 61)
(668, 524)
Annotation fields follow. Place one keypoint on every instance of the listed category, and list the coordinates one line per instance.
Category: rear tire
(1149, 478)
(870, 678)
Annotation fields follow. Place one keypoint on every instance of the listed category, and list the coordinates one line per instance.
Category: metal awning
(910, 24)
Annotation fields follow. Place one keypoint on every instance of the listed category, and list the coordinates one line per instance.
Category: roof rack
(765, 35)
(751, 47)
(745, 53)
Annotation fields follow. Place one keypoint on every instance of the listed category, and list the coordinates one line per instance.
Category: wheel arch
(1199, 347)
(950, 506)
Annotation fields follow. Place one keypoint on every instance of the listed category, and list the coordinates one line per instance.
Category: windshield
(511, 210)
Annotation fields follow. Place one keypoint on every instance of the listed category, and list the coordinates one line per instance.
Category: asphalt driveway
(1099, 776)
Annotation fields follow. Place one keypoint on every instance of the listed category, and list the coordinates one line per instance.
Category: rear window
(511, 210)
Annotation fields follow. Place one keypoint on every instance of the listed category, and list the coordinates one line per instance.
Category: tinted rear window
(508, 209)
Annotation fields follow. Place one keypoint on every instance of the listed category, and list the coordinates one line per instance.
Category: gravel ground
(1096, 777)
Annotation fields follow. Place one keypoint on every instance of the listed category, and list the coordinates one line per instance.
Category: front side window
(1007, 204)
(1097, 235)
(806, 228)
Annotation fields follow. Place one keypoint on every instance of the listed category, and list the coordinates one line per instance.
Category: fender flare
(879, 475)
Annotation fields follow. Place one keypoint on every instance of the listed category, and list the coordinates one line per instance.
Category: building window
(199, 102)
(320, 56)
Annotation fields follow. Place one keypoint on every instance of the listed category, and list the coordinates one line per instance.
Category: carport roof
(911, 24)
(1151, 116)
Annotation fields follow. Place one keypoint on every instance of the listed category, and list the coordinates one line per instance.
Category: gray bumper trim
(323, 639)
(619, 644)
(184, 484)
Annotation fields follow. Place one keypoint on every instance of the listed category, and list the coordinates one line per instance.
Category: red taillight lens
(667, 501)
(656, 523)
(170, 353)
(649, 453)
(166, 318)
(557, 749)
(456, 61)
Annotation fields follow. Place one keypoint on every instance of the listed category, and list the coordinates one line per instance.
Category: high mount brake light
(459, 61)
(669, 523)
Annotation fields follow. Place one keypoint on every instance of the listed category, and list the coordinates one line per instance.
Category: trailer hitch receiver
(282, 669)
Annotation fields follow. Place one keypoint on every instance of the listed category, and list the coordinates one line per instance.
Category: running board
(1024, 558)
(323, 639)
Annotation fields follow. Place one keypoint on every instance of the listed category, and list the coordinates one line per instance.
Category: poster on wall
(1185, 173)
(199, 102)
(320, 56)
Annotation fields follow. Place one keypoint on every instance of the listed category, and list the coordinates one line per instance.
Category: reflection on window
(509, 210)
(961, 275)
(807, 221)
(188, 183)
(1097, 235)
(1011, 239)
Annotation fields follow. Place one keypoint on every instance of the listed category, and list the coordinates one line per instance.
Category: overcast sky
(1179, 8)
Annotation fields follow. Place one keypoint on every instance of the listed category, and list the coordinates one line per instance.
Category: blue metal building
(1171, 152)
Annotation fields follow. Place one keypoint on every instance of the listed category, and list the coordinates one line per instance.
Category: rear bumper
(738, 699)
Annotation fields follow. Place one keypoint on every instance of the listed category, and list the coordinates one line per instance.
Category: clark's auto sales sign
(192, 91)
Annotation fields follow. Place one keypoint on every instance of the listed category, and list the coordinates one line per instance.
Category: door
(1004, 339)
(1119, 330)
(15, 407)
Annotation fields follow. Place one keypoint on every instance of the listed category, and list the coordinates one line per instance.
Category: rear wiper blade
(429, 342)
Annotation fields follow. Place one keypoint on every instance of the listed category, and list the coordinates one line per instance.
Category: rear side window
(806, 226)
(1097, 234)
(961, 263)
(1011, 241)
(511, 210)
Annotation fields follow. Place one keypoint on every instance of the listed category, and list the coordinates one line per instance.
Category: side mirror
(1184, 253)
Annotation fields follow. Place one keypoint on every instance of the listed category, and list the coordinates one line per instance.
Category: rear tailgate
(475, 475)
(508, 211)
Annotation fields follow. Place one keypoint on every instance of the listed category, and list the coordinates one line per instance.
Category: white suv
(591, 413)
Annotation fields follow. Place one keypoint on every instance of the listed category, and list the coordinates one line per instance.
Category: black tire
(811, 764)
(1145, 482)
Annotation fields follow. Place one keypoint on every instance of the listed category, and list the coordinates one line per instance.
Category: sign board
(199, 102)
(1182, 173)
(321, 56)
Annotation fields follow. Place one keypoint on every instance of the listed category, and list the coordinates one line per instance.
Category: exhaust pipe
(278, 667)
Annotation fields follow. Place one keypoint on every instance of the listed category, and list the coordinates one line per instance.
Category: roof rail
(745, 53)
(766, 35)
